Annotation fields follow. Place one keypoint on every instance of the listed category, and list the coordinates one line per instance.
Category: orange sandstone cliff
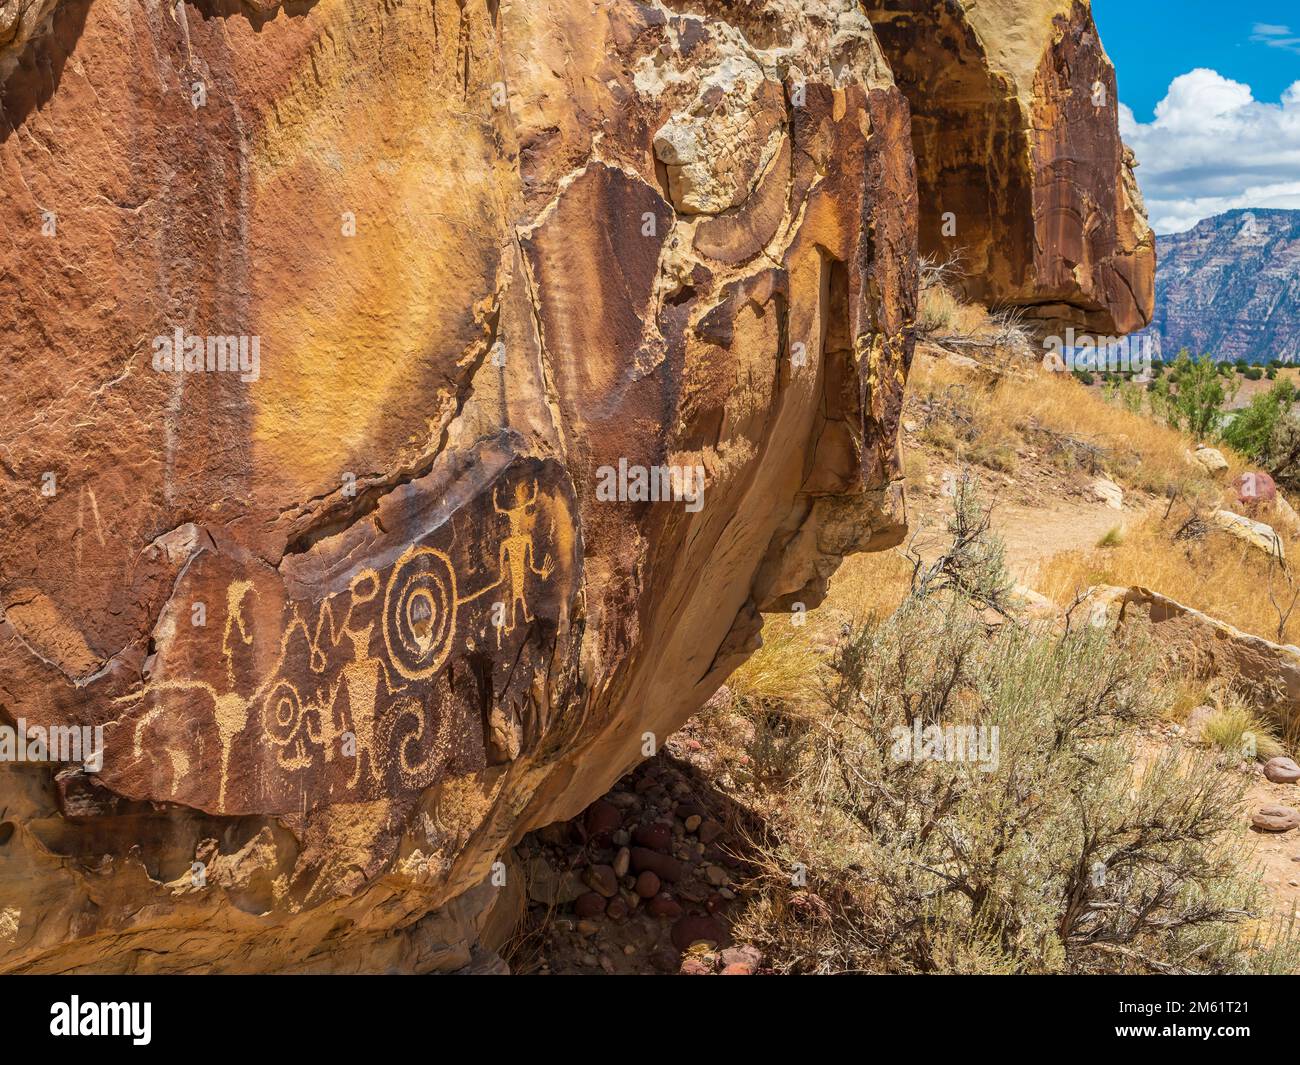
(351, 352)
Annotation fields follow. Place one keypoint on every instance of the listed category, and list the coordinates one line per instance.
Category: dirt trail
(1033, 534)
(1278, 853)
(1031, 531)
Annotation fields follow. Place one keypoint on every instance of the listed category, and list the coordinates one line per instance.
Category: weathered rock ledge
(335, 327)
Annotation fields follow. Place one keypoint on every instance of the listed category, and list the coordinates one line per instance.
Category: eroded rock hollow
(410, 409)
(1021, 172)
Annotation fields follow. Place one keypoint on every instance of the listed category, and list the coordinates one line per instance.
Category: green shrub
(1193, 398)
(1032, 844)
(1254, 429)
(1059, 860)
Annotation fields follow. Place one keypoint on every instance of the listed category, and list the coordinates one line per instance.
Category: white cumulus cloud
(1214, 147)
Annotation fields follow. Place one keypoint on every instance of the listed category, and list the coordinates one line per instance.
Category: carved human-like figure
(515, 557)
(360, 680)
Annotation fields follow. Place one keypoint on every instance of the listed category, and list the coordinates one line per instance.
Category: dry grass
(1062, 419)
(925, 864)
(884, 839)
(1186, 694)
(915, 466)
(1216, 573)
(790, 666)
(868, 585)
(942, 314)
(1239, 731)
(786, 667)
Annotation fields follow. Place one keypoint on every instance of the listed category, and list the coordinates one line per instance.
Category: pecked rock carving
(354, 619)
(371, 691)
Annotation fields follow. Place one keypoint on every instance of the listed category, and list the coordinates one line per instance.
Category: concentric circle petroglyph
(420, 612)
(282, 712)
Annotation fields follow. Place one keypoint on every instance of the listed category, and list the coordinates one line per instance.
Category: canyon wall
(410, 411)
(1229, 287)
(1023, 180)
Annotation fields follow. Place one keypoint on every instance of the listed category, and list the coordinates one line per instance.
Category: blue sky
(1210, 101)
(1153, 41)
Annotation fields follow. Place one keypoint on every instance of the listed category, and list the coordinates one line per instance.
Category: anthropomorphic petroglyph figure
(230, 709)
(350, 709)
(235, 594)
(360, 679)
(515, 558)
(229, 715)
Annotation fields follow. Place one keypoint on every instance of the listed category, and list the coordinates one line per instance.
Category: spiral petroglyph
(420, 612)
(369, 612)
(347, 697)
(418, 741)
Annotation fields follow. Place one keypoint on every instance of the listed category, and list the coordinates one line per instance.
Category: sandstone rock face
(1255, 533)
(1203, 646)
(1109, 493)
(20, 21)
(1282, 770)
(1020, 167)
(1276, 818)
(1210, 459)
(1284, 514)
(411, 409)
(1255, 489)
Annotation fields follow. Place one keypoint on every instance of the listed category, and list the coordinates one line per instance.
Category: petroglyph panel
(294, 695)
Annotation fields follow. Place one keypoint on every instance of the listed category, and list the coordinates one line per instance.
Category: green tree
(1252, 430)
(1195, 404)
(1130, 395)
